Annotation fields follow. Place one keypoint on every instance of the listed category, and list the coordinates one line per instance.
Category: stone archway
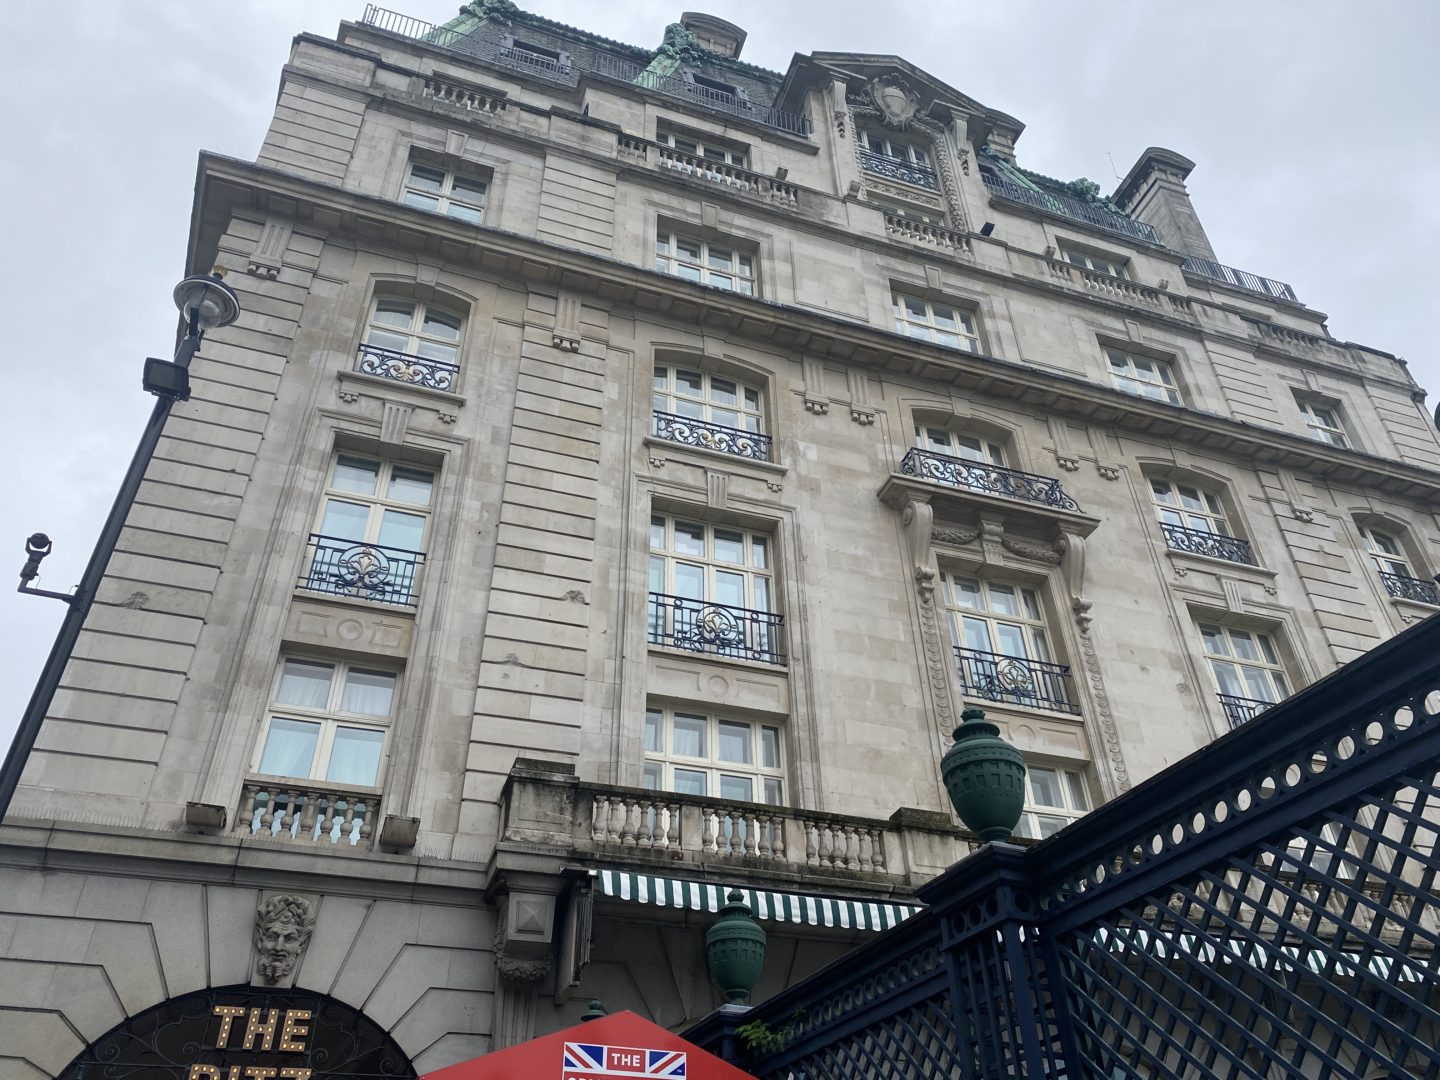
(244, 1032)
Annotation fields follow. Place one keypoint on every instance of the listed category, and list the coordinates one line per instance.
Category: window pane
(1045, 786)
(686, 271)
(729, 589)
(411, 486)
(394, 313)
(689, 538)
(740, 788)
(1228, 679)
(774, 794)
(760, 598)
(344, 521)
(689, 782)
(422, 202)
(944, 317)
(1268, 649)
(759, 553)
(435, 350)
(368, 693)
(1002, 600)
(688, 736)
(1012, 640)
(423, 176)
(1244, 645)
(966, 593)
(1258, 685)
(687, 249)
(721, 258)
(385, 339)
(735, 742)
(650, 779)
(464, 213)
(730, 546)
(690, 581)
(657, 533)
(304, 684)
(355, 757)
(752, 399)
(1032, 607)
(770, 747)
(723, 392)
(722, 282)
(1075, 784)
(653, 743)
(976, 634)
(1046, 825)
(467, 189)
(355, 474)
(442, 325)
(289, 748)
(401, 530)
(1214, 641)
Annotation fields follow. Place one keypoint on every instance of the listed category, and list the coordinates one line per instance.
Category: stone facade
(456, 896)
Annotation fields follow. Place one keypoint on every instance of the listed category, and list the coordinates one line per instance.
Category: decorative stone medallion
(895, 100)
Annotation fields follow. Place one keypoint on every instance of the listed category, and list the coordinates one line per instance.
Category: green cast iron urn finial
(735, 948)
(594, 1011)
(985, 777)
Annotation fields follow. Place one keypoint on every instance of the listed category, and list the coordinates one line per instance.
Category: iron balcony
(1241, 710)
(406, 368)
(1211, 545)
(705, 627)
(894, 169)
(989, 479)
(341, 567)
(1408, 588)
(689, 431)
(1017, 680)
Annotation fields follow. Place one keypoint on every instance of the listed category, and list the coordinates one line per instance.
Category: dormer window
(896, 149)
(715, 91)
(538, 57)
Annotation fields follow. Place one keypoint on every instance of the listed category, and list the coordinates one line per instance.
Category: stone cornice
(85, 848)
(227, 185)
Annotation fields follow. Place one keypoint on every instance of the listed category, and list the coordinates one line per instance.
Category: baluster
(750, 824)
(877, 849)
(307, 817)
(864, 844)
(852, 848)
(812, 843)
(327, 823)
(347, 825)
(777, 837)
(614, 820)
(599, 817)
(646, 838)
(708, 838)
(629, 823)
(762, 835)
(267, 819)
(250, 799)
(290, 815)
(825, 849)
(367, 819)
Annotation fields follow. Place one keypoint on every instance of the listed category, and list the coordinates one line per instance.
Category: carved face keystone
(283, 925)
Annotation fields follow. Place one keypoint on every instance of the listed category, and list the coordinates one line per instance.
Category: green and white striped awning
(801, 908)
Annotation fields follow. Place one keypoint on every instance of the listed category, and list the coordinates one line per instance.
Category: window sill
(373, 384)
(355, 602)
(718, 660)
(1412, 610)
(651, 442)
(1182, 558)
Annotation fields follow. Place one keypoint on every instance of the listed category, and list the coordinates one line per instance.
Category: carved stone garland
(918, 519)
(939, 153)
(1072, 551)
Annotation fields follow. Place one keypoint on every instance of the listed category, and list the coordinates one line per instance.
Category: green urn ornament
(985, 777)
(735, 948)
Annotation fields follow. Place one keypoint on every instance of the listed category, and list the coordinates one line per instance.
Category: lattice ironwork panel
(1312, 954)
(915, 1042)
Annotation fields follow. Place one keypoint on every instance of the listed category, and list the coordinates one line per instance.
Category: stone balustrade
(306, 813)
(721, 173)
(462, 96)
(920, 232)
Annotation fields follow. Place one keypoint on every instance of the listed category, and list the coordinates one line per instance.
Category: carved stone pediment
(895, 99)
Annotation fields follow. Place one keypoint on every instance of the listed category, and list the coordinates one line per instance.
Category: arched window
(1194, 519)
(411, 341)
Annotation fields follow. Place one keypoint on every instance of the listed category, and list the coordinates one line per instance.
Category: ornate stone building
(625, 464)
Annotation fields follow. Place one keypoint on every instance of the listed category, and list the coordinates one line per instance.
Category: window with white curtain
(691, 753)
(328, 722)
(1054, 797)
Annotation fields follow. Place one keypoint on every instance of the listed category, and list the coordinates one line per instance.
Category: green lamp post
(985, 777)
(735, 948)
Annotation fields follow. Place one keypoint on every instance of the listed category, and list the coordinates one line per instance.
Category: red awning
(611, 1048)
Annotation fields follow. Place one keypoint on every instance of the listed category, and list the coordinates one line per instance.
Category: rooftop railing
(1241, 279)
(1069, 207)
(986, 478)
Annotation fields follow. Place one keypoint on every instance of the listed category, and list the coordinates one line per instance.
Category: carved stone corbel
(812, 371)
(992, 539)
(1072, 565)
(917, 519)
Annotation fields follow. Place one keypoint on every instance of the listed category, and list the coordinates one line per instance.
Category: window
(712, 590)
(1247, 670)
(1324, 423)
(1193, 520)
(718, 265)
(896, 149)
(1053, 799)
(1395, 573)
(700, 146)
(327, 722)
(1143, 376)
(415, 330)
(443, 191)
(715, 91)
(690, 753)
(371, 537)
(959, 445)
(942, 323)
(1002, 648)
(924, 215)
(1100, 264)
(709, 411)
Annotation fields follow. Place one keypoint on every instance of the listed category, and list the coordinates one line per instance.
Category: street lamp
(205, 303)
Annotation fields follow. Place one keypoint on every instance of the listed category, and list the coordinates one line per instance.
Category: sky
(1313, 124)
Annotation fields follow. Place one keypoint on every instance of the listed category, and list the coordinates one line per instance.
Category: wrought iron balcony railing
(1241, 710)
(689, 431)
(1409, 588)
(702, 626)
(987, 479)
(341, 567)
(1213, 545)
(1066, 206)
(903, 171)
(545, 66)
(1016, 679)
(405, 368)
(1241, 279)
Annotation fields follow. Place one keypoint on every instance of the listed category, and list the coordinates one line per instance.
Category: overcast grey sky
(1313, 124)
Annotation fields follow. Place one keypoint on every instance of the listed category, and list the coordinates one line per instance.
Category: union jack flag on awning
(583, 1060)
